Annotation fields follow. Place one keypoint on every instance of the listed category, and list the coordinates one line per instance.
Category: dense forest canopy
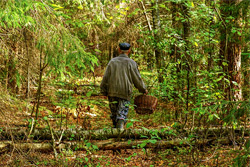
(192, 54)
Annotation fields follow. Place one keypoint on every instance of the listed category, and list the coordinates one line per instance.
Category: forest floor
(95, 115)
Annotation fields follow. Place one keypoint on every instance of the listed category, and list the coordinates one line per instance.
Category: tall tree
(176, 55)
(230, 47)
(188, 58)
(157, 37)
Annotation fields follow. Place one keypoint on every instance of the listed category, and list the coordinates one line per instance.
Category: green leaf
(89, 94)
(162, 6)
(235, 83)
(45, 118)
(247, 144)
(95, 147)
(142, 136)
(210, 117)
(153, 141)
(88, 145)
(80, 7)
(145, 129)
(97, 50)
(129, 124)
(216, 115)
(142, 145)
(92, 68)
(224, 64)
(233, 30)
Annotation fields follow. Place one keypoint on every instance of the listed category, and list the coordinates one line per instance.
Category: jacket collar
(123, 55)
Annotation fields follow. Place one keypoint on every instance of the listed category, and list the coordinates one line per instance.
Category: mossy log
(77, 134)
(109, 145)
(103, 134)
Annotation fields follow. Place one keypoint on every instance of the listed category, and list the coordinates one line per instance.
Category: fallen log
(103, 134)
(77, 134)
(110, 145)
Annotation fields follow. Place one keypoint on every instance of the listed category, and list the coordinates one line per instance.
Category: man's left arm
(104, 83)
(137, 80)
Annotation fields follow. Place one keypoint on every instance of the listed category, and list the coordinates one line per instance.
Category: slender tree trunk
(157, 34)
(148, 54)
(188, 59)
(11, 69)
(176, 56)
(25, 34)
(146, 15)
(246, 83)
(210, 45)
(27, 45)
(42, 66)
(7, 74)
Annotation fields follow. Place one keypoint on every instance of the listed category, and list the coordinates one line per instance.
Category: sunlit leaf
(235, 83)
(80, 7)
(142, 145)
(192, 3)
(129, 124)
(97, 50)
(89, 94)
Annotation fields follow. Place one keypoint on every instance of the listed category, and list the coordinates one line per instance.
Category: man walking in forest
(118, 80)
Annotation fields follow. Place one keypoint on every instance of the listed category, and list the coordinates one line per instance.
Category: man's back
(121, 73)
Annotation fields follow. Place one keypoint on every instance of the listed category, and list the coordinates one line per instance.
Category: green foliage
(243, 158)
(15, 13)
(129, 158)
(63, 51)
(130, 122)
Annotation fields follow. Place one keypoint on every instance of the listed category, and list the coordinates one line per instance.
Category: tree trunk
(149, 57)
(230, 47)
(176, 56)
(27, 45)
(188, 59)
(157, 34)
(11, 68)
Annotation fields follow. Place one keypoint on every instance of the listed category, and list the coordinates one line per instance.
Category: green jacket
(120, 76)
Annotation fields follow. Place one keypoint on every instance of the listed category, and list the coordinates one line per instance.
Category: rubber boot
(120, 124)
(114, 123)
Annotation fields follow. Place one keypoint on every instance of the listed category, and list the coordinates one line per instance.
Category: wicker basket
(145, 104)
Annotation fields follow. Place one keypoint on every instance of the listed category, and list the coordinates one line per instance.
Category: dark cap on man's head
(124, 46)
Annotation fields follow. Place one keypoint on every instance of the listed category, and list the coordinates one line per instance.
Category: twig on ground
(31, 129)
(61, 137)
(53, 139)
